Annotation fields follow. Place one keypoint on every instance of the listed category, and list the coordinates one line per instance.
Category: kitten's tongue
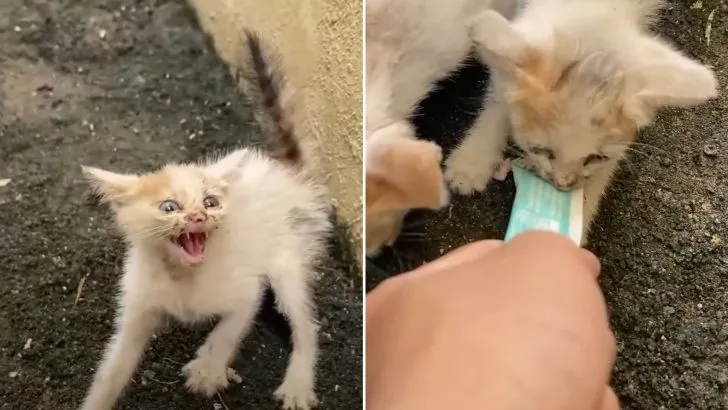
(194, 245)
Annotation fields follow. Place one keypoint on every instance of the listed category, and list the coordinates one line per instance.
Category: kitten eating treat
(411, 44)
(204, 239)
(573, 81)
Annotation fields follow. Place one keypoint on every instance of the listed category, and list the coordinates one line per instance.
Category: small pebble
(13, 375)
(27, 344)
(710, 150)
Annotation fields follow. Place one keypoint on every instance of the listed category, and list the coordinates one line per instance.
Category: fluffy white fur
(270, 226)
(573, 81)
(410, 45)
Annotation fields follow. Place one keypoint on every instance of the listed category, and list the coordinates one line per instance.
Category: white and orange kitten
(410, 45)
(573, 81)
(204, 240)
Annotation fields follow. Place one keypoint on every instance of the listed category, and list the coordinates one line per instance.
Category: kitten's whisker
(628, 149)
(152, 232)
(642, 144)
(155, 233)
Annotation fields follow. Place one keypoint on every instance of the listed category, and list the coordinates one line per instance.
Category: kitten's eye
(594, 158)
(169, 206)
(546, 152)
(211, 202)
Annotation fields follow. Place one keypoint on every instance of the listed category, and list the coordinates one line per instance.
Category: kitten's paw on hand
(205, 376)
(466, 174)
(296, 395)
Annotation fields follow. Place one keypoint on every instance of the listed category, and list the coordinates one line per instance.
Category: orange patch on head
(536, 89)
(153, 185)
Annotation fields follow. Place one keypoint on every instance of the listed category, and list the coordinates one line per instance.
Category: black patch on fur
(269, 81)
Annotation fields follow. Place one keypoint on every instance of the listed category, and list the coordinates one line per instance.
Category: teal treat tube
(540, 206)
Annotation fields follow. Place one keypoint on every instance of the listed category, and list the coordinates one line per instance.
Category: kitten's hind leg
(134, 329)
(293, 296)
(472, 164)
(208, 372)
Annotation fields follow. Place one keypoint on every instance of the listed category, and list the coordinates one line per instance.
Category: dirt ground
(128, 85)
(661, 234)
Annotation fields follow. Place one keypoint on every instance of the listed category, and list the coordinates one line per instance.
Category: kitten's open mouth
(192, 245)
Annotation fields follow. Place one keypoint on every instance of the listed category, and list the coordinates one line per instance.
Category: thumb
(609, 400)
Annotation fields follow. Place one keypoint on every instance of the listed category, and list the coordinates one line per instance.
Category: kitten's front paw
(467, 174)
(296, 395)
(205, 376)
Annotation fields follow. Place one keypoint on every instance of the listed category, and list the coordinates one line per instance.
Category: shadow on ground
(661, 234)
(127, 85)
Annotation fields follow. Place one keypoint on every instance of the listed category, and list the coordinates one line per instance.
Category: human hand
(521, 325)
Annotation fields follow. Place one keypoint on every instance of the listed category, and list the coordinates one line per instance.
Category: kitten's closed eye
(545, 152)
(595, 158)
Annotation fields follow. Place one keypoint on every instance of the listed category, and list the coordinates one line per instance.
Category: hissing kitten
(203, 241)
(573, 81)
(411, 44)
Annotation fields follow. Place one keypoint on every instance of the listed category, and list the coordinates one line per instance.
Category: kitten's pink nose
(565, 180)
(197, 217)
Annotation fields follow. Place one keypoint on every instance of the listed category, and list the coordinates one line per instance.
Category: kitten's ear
(112, 187)
(228, 167)
(404, 174)
(669, 79)
(498, 43)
